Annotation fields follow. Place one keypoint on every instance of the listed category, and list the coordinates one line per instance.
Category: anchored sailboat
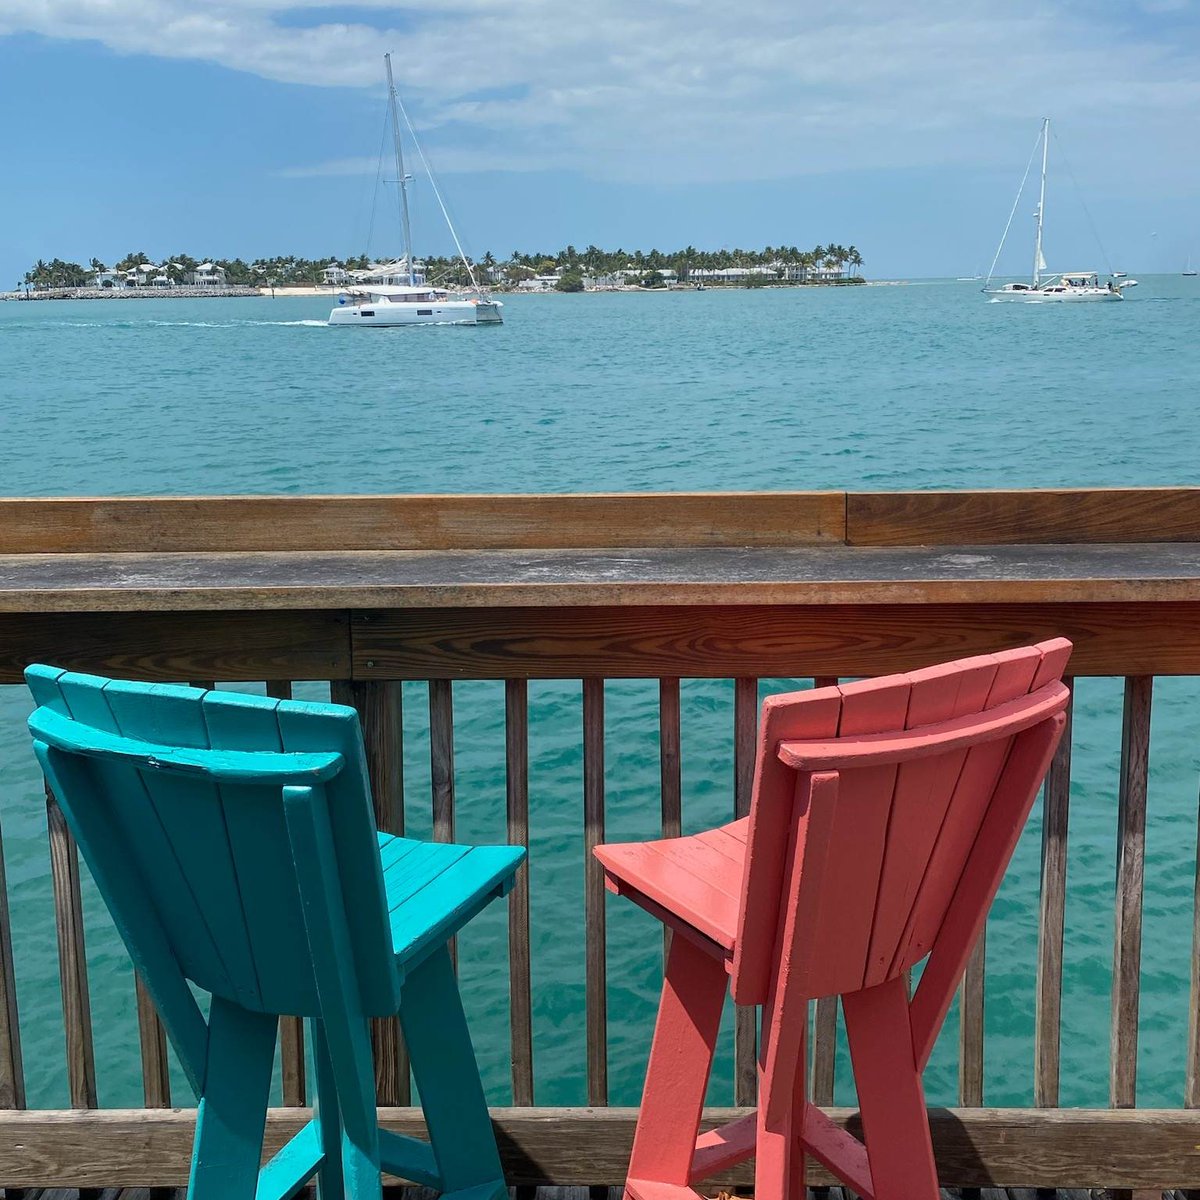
(1065, 286)
(377, 301)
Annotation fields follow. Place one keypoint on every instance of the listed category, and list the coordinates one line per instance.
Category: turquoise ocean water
(917, 386)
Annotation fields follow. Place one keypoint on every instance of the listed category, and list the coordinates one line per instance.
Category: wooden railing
(370, 593)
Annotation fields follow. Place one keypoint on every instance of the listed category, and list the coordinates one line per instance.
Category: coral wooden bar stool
(233, 841)
(883, 817)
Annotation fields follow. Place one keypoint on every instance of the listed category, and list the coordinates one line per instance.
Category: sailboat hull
(386, 315)
(1061, 296)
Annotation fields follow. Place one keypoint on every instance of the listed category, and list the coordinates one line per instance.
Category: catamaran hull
(446, 312)
(1077, 297)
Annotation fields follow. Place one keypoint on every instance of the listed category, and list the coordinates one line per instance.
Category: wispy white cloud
(694, 90)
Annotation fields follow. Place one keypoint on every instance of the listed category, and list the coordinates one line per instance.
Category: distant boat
(1071, 286)
(383, 302)
(1187, 270)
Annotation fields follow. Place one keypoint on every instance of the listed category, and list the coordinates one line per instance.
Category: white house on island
(208, 275)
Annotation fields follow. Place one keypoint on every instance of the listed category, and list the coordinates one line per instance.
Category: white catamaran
(1067, 286)
(371, 304)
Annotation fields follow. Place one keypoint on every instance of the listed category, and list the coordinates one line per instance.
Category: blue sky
(252, 127)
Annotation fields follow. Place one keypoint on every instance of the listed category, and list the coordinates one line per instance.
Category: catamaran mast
(1038, 261)
(403, 179)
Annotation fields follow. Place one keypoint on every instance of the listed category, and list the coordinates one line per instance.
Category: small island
(568, 270)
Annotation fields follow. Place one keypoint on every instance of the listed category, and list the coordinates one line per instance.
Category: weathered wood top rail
(1022, 574)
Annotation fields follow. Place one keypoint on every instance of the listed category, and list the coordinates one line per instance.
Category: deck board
(584, 1193)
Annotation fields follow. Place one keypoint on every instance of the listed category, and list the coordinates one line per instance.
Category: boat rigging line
(378, 181)
(1013, 213)
(1083, 202)
(437, 193)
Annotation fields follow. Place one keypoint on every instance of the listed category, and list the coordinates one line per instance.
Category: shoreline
(243, 292)
(185, 292)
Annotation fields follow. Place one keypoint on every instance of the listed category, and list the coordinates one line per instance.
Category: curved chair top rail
(222, 766)
(943, 737)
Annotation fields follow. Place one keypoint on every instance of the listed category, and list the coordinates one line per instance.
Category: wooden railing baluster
(520, 1005)
(12, 1073)
(670, 763)
(441, 757)
(823, 1050)
(1127, 934)
(970, 1027)
(593, 893)
(441, 768)
(72, 960)
(152, 1039)
(745, 734)
(1052, 909)
(378, 703)
(1127, 930)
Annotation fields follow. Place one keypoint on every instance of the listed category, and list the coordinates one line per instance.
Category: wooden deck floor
(583, 1193)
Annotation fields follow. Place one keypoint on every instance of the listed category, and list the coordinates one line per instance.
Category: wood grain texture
(1051, 917)
(380, 709)
(971, 1027)
(670, 763)
(824, 1049)
(441, 757)
(441, 768)
(167, 647)
(293, 1067)
(12, 1072)
(152, 1040)
(72, 959)
(1013, 574)
(1131, 851)
(982, 1147)
(184, 523)
(520, 1003)
(593, 877)
(980, 518)
(770, 641)
(745, 737)
(244, 523)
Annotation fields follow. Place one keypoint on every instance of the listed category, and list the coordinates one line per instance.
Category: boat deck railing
(376, 594)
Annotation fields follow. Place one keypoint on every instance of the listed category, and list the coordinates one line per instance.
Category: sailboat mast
(403, 179)
(1041, 209)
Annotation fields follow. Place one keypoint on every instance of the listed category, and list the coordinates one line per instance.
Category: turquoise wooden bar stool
(232, 838)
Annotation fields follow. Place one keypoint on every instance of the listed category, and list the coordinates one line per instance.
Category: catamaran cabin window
(424, 312)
